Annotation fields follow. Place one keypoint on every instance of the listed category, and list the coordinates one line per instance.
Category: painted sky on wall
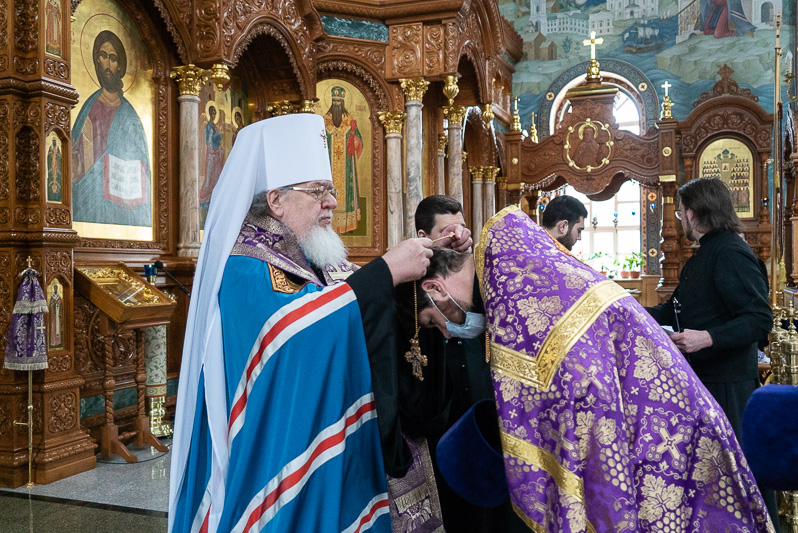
(684, 42)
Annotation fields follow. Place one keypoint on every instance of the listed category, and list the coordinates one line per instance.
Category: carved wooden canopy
(588, 151)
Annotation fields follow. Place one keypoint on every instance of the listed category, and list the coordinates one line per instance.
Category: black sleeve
(373, 287)
(663, 313)
(744, 292)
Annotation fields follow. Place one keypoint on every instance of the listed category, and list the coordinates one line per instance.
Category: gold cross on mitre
(666, 86)
(592, 42)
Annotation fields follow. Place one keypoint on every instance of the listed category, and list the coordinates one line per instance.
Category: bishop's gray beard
(323, 247)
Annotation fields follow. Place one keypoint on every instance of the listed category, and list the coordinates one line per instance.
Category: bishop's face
(303, 211)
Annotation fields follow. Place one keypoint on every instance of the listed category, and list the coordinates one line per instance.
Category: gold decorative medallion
(587, 147)
(281, 282)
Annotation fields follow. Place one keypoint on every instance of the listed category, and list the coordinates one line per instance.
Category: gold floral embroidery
(575, 278)
(281, 282)
(659, 498)
(539, 312)
(653, 358)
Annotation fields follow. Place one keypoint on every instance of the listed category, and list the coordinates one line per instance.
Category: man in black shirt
(456, 377)
(723, 302)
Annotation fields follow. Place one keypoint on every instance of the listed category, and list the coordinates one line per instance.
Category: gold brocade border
(531, 524)
(566, 481)
(573, 324)
(515, 364)
(479, 252)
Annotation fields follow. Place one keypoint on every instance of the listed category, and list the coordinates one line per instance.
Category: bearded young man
(276, 425)
(604, 425)
(564, 220)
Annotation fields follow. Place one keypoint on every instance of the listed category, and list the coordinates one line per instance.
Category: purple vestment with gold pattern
(603, 424)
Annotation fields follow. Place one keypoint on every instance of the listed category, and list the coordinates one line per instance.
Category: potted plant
(633, 263)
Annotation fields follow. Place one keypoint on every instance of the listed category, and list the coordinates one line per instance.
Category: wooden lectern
(125, 298)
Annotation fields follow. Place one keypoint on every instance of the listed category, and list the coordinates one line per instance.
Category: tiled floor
(116, 497)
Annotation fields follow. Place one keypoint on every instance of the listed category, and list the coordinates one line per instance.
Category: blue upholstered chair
(770, 436)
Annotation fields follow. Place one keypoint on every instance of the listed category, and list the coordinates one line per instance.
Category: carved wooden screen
(727, 136)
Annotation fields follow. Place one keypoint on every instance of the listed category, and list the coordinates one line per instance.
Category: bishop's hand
(409, 259)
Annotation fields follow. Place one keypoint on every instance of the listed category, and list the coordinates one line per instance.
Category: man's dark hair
(103, 37)
(443, 263)
(432, 206)
(563, 207)
(711, 201)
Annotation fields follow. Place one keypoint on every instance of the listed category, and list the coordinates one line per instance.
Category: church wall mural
(684, 42)
(112, 125)
(349, 138)
(222, 115)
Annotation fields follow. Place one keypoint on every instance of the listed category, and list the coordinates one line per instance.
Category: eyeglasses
(318, 193)
(678, 214)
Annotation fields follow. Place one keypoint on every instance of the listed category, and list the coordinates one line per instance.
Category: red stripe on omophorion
(366, 519)
(278, 328)
(298, 474)
(204, 528)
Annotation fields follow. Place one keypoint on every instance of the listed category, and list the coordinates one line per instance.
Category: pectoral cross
(416, 358)
(666, 86)
(592, 42)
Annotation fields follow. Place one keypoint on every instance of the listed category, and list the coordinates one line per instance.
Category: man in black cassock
(722, 302)
(457, 374)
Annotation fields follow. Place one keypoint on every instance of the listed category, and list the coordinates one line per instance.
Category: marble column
(190, 80)
(476, 202)
(442, 140)
(489, 191)
(454, 115)
(393, 122)
(414, 90)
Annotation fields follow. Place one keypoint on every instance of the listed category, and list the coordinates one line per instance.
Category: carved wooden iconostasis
(94, 95)
(728, 136)
(588, 151)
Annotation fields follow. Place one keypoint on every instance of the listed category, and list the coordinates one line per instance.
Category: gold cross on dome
(666, 86)
(415, 358)
(592, 42)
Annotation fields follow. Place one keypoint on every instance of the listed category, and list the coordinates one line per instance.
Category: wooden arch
(589, 152)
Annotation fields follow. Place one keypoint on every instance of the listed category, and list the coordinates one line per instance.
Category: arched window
(612, 227)
(766, 12)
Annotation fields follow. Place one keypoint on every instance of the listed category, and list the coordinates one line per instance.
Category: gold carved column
(393, 122)
(36, 97)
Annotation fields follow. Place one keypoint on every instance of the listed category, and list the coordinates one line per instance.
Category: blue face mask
(473, 326)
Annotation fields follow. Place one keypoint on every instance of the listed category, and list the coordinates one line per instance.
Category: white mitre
(268, 154)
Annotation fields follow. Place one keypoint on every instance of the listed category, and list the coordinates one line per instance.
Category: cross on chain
(666, 86)
(416, 358)
(592, 42)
